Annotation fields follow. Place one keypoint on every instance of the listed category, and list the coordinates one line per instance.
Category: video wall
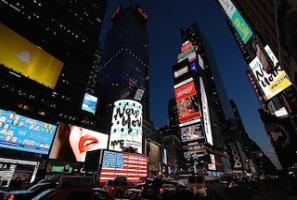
(72, 143)
(89, 103)
(187, 103)
(133, 166)
(22, 56)
(126, 129)
(14, 171)
(22, 133)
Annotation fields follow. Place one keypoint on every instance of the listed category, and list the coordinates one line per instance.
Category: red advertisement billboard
(187, 102)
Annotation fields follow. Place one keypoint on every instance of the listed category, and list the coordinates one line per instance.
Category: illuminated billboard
(206, 115)
(271, 83)
(190, 54)
(22, 133)
(126, 129)
(190, 133)
(237, 20)
(187, 103)
(132, 166)
(89, 103)
(72, 143)
(181, 71)
(22, 56)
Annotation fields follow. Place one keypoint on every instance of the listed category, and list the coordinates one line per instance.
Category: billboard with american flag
(133, 166)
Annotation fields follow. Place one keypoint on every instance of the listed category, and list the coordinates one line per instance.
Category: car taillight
(10, 197)
(112, 188)
(161, 190)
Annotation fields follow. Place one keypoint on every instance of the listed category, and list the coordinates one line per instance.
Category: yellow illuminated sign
(22, 56)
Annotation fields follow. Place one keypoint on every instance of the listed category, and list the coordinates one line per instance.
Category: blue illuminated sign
(89, 103)
(25, 134)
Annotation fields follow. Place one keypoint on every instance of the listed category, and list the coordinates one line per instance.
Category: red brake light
(161, 190)
(112, 188)
(11, 197)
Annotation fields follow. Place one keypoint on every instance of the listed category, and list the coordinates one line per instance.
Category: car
(135, 192)
(73, 194)
(117, 188)
(29, 193)
(74, 188)
(163, 189)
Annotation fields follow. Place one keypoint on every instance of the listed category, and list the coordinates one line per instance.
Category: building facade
(276, 23)
(124, 66)
(60, 40)
(201, 111)
(254, 33)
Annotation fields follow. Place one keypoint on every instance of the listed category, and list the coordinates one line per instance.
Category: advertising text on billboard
(272, 83)
(25, 134)
(187, 102)
(126, 129)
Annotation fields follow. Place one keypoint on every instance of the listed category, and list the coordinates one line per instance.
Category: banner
(237, 20)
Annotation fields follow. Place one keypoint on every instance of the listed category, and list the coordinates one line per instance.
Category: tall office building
(201, 111)
(255, 36)
(124, 66)
(47, 53)
(277, 25)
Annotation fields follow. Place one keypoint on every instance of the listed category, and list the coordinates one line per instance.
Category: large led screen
(237, 20)
(190, 54)
(22, 56)
(126, 129)
(190, 133)
(72, 143)
(22, 133)
(206, 115)
(271, 83)
(89, 103)
(187, 103)
(132, 166)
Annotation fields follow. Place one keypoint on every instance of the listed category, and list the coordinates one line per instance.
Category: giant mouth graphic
(86, 143)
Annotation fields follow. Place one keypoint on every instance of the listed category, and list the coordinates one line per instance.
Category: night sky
(165, 20)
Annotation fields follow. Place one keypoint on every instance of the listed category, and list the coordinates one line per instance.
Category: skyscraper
(124, 68)
(277, 24)
(201, 109)
(273, 86)
(59, 39)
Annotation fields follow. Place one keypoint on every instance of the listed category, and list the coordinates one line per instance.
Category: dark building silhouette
(277, 25)
(202, 105)
(124, 66)
(67, 30)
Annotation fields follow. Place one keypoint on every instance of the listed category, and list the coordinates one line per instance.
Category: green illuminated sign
(57, 169)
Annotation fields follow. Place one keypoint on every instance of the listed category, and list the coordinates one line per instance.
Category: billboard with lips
(72, 143)
(187, 102)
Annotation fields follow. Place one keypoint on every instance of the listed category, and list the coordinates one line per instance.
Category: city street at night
(148, 100)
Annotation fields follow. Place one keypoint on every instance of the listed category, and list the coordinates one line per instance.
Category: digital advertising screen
(187, 102)
(132, 166)
(22, 56)
(72, 142)
(89, 103)
(206, 115)
(126, 129)
(237, 20)
(12, 170)
(22, 133)
(271, 83)
(191, 133)
(154, 154)
(190, 54)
